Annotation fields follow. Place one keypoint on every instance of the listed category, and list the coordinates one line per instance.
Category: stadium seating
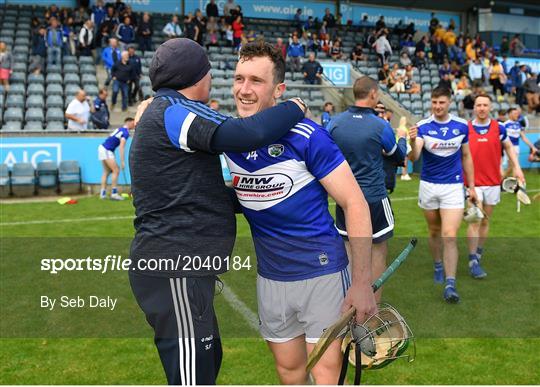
(47, 178)
(69, 177)
(23, 180)
(5, 183)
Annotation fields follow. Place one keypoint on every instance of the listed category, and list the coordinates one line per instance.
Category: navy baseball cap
(177, 64)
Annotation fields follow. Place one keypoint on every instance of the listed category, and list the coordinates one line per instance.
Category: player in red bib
(487, 138)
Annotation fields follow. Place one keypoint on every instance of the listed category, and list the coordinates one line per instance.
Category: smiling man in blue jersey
(117, 139)
(442, 140)
(515, 132)
(303, 282)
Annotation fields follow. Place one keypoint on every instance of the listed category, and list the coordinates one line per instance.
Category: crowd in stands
(111, 32)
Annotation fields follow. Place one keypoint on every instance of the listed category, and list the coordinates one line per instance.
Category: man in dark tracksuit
(134, 85)
(363, 137)
(122, 74)
(184, 210)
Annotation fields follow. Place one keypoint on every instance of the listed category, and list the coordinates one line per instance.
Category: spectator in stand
(309, 25)
(54, 42)
(200, 23)
(518, 80)
(251, 36)
(446, 82)
(476, 74)
(119, 7)
(336, 52)
(111, 19)
(212, 10)
(68, 32)
(212, 24)
(128, 12)
(357, 54)
(86, 38)
(449, 40)
(364, 24)
(456, 70)
(229, 10)
(411, 86)
(122, 74)
(497, 77)
(298, 21)
(312, 70)
(445, 68)
(420, 61)
(238, 31)
(516, 46)
(101, 40)
(326, 44)
(384, 75)
(382, 48)
(422, 45)
(78, 112)
(98, 14)
(381, 24)
(281, 47)
(53, 11)
(229, 36)
(125, 33)
(6, 65)
(438, 50)
(295, 53)
(190, 27)
(408, 45)
(532, 93)
(110, 56)
(313, 43)
(463, 86)
(172, 29)
(433, 23)
(328, 112)
(470, 49)
(80, 16)
(134, 85)
(145, 31)
(39, 52)
(100, 115)
(439, 33)
(330, 22)
(211, 38)
(505, 46)
(404, 59)
(396, 80)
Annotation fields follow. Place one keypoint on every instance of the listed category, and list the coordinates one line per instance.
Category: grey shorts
(288, 309)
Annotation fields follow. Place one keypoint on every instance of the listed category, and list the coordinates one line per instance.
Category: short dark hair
(441, 92)
(483, 95)
(363, 85)
(502, 112)
(511, 110)
(129, 119)
(258, 49)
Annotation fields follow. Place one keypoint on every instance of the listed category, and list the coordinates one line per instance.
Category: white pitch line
(238, 305)
(73, 220)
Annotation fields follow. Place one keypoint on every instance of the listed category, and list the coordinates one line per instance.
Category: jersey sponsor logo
(323, 259)
(357, 116)
(482, 140)
(261, 188)
(432, 132)
(445, 145)
(276, 150)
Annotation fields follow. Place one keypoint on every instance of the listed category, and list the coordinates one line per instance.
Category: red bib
(486, 154)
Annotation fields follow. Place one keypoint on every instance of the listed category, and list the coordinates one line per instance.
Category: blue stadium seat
(56, 69)
(71, 68)
(55, 126)
(87, 69)
(35, 101)
(53, 78)
(69, 60)
(91, 90)
(15, 100)
(86, 60)
(23, 179)
(33, 126)
(34, 114)
(19, 67)
(12, 126)
(36, 78)
(55, 101)
(89, 79)
(35, 88)
(71, 89)
(54, 114)
(69, 177)
(47, 177)
(13, 114)
(71, 78)
(5, 181)
(17, 89)
(54, 89)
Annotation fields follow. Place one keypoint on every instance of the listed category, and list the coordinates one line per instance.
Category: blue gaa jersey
(513, 130)
(112, 142)
(286, 206)
(442, 149)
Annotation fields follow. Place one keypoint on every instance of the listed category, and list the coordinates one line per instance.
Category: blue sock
(473, 258)
(103, 193)
(114, 190)
(438, 265)
(479, 251)
(450, 282)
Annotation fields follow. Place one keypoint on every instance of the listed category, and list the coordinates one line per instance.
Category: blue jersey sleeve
(322, 153)
(503, 136)
(125, 133)
(421, 131)
(465, 131)
(388, 139)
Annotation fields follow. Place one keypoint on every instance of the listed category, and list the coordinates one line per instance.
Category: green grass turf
(491, 337)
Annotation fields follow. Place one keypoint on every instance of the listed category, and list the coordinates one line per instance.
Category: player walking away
(487, 138)
(303, 279)
(117, 139)
(516, 131)
(364, 138)
(442, 140)
(184, 210)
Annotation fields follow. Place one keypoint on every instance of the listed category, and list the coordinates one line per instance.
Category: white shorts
(433, 196)
(104, 154)
(288, 309)
(490, 195)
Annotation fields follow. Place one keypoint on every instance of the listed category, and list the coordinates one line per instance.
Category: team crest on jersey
(276, 150)
(323, 259)
(455, 132)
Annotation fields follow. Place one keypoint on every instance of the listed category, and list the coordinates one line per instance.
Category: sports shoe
(406, 177)
(116, 197)
(450, 295)
(438, 276)
(476, 270)
(102, 197)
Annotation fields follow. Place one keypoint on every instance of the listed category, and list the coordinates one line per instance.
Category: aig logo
(30, 153)
(338, 73)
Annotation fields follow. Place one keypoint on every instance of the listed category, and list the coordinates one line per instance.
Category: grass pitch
(491, 337)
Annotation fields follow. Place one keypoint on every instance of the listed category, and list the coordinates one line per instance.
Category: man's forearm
(514, 161)
(468, 168)
(359, 230)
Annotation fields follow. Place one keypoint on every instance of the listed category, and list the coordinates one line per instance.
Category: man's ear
(279, 90)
